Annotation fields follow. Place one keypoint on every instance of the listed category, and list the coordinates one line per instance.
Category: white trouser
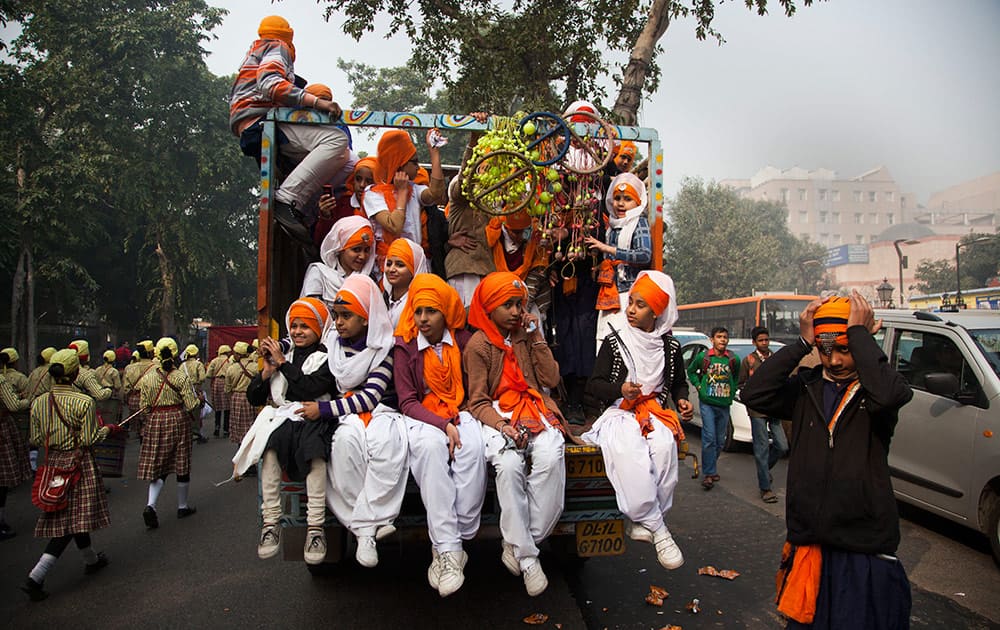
(642, 470)
(270, 485)
(320, 150)
(452, 492)
(531, 502)
(465, 284)
(367, 471)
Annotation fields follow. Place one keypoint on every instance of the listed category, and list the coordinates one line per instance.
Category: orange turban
(422, 177)
(648, 290)
(492, 291)
(627, 147)
(320, 90)
(364, 236)
(629, 191)
(401, 249)
(519, 220)
(311, 311)
(354, 295)
(830, 323)
(277, 27)
(428, 289)
(395, 149)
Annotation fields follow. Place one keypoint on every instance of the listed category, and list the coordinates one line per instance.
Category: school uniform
(14, 463)
(166, 435)
(241, 413)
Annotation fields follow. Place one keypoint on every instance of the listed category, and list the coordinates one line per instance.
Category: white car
(739, 425)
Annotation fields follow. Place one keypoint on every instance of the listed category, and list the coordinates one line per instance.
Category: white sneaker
(667, 551)
(534, 579)
(315, 549)
(367, 554)
(434, 571)
(639, 533)
(385, 531)
(270, 541)
(509, 559)
(451, 576)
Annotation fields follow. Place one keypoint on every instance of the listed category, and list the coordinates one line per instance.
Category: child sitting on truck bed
(446, 445)
(346, 249)
(508, 363)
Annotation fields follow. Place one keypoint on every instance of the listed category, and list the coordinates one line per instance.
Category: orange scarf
(444, 378)
(524, 403)
(644, 406)
(607, 296)
(494, 238)
(797, 581)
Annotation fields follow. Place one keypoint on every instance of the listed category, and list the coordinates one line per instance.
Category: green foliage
(122, 136)
(719, 246)
(980, 261)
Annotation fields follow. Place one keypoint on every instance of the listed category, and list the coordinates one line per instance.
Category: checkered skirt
(166, 443)
(220, 399)
(241, 417)
(88, 503)
(14, 466)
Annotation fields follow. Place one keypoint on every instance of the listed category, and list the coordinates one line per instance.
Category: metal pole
(958, 278)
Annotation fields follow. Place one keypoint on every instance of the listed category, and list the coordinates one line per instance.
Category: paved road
(203, 571)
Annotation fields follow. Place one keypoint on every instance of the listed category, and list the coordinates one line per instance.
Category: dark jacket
(301, 387)
(605, 385)
(839, 492)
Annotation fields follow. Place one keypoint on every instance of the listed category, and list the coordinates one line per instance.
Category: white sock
(89, 555)
(46, 562)
(154, 492)
(182, 494)
(33, 458)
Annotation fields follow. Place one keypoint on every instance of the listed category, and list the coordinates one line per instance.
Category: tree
(980, 254)
(719, 246)
(537, 54)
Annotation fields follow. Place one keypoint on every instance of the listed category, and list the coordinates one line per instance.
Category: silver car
(945, 454)
(739, 419)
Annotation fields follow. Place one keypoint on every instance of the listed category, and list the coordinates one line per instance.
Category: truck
(591, 524)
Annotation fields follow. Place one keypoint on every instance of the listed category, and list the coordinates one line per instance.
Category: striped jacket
(164, 389)
(266, 79)
(77, 410)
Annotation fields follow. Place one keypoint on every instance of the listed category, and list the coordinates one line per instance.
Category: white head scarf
(351, 371)
(627, 223)
(325, 279)
(648, 360)
(419, 266)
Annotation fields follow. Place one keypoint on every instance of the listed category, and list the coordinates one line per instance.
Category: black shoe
(186, 512)
(575, 415)
(102, 561)
(215, 433)
(149, 516)
(202, 439)
(290, 220)
(34, 590)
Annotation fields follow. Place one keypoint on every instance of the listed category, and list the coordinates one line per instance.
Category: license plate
(584, 466)
(600, 538)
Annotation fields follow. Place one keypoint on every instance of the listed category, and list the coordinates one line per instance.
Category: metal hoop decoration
(572, 270)
(478, 197)
(548, 126)
(588, 145)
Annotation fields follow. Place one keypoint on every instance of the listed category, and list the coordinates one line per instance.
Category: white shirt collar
(422, 342)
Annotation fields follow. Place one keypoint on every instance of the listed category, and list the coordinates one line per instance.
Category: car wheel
(730, 444)
(991, 507)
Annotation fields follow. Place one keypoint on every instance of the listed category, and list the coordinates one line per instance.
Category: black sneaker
(185, 512)
(149, 516)
(34, 590)
(290, 220)
(102, 561)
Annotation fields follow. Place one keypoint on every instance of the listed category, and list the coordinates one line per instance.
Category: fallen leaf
(727, 574)
(658, 591)
(653, 600)
(671, 627)
(536, 619)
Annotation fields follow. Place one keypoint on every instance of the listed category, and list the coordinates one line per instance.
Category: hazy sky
(845, 84)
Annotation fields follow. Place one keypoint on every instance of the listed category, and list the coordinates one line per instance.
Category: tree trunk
(626, 109)
(30, 328)
(17, 299)
(167, 308)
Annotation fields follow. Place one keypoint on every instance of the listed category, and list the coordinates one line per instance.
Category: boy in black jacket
(838, 567)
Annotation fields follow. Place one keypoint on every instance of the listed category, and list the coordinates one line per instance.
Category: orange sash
(607, 295)
(644, 406)
(444, 378)
(524, 403)
(366, 416)
(797, 581)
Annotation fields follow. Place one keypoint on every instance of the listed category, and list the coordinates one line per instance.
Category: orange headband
(311, 311)
(628, 190)
(518, 221)
(430, 290)
(364, 236)
(627, 147)
(830, 323)
(353, 296)
(651, 292)
(492, 291)
(402, 250)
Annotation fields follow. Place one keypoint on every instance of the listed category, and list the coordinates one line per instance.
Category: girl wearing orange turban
(446, 446)
(403, 260)
(346, 249)
(508, 364)
(393, 203)
(279, 437)
(637, 368)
